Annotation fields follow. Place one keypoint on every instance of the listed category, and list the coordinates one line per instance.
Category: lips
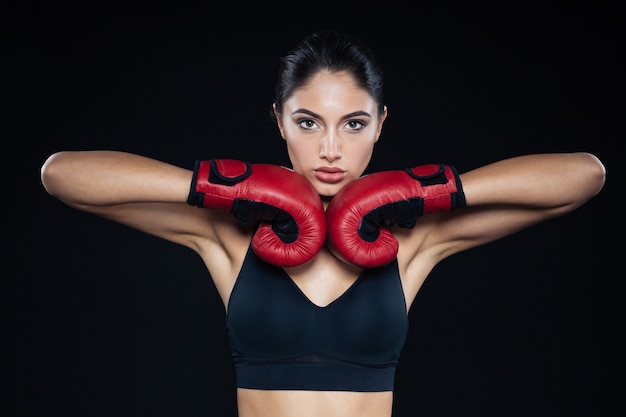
(329, 175)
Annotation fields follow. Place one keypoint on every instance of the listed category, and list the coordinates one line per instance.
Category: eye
(307, 124)
(355, 125)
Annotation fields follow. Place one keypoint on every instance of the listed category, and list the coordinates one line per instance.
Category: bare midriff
(268, 403)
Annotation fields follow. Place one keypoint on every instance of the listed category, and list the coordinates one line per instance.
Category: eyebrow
(347, 116)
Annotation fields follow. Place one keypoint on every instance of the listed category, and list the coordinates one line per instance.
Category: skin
(330, 127)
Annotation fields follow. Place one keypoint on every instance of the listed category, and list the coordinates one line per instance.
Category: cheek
(300, 151)
(360, 153)
(366, 150)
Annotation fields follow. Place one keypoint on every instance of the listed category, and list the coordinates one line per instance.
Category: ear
(381, 120)
(279, 121)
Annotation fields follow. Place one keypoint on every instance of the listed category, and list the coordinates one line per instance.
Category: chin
(327, 192)
(325, 196)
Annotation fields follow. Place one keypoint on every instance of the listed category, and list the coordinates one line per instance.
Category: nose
(330, 148)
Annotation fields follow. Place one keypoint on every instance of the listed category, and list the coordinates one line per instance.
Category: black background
(112, 322)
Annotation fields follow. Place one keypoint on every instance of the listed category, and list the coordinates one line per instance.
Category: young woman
(318, 265)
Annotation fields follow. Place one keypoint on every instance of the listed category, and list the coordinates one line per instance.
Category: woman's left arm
(512, 194)
(557, 183)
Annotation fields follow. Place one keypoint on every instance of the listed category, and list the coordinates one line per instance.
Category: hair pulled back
(333, 51)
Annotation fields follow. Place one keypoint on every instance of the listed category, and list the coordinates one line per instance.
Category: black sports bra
(280, 340)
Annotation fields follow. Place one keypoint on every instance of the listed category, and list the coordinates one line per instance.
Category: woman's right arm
(140, 192)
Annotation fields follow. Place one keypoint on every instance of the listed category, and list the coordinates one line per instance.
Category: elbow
(582, 178)
(595, 173)
(53, 174)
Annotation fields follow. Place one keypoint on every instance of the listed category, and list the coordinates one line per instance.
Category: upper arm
(453, 232)
(176, 222)
(142, 193)
(506, 197)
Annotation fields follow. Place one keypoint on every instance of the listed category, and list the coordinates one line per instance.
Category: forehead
(330, 90)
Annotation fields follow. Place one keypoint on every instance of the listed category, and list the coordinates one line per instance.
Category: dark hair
(332, 51)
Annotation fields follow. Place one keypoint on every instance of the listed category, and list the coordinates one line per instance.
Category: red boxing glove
(292, 226)
(360, 214)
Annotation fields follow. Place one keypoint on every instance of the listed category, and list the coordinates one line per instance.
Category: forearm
(543, 181)
(103, 178)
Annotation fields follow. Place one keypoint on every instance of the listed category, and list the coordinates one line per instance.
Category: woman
(318, 331)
